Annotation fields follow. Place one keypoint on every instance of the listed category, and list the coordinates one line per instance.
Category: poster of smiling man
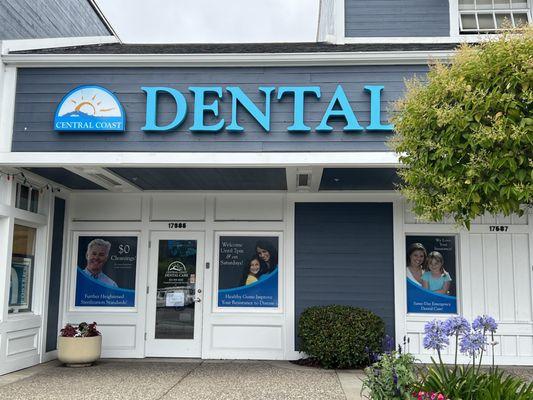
(431, 274)
(106, 270)
(248, 271)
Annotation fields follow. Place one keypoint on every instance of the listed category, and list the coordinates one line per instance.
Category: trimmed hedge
(340, 336)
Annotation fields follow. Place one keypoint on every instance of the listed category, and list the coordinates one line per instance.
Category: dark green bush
(340, 336)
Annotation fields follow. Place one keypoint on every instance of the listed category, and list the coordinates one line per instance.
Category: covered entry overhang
(189, 172)
(125, 172)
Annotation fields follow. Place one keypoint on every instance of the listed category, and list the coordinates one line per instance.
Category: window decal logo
(90, 109)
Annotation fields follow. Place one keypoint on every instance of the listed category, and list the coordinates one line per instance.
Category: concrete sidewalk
(149, 379)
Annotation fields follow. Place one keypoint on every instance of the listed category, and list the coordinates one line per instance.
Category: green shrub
(392, 377)
(340, 336)
(465, 132)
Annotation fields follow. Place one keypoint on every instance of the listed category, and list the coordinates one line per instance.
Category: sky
(211, 21)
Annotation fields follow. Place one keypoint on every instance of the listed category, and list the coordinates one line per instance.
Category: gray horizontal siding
(393, 18)
(32, 19)
(344, 255)
(39, 91)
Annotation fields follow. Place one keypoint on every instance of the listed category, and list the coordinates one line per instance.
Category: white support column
(290, 343)
(8, 82)
(6, 231)
(331, 21)
(400, 288)
(340, 22)
(142, 276)
(209, 257)
(454, 18)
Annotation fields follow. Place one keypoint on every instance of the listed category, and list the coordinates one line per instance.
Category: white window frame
(31, 189)
(491, 11)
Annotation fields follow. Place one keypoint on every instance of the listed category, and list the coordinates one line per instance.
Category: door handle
(197, 300)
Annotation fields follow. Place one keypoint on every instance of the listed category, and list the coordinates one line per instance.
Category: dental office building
(194, 199)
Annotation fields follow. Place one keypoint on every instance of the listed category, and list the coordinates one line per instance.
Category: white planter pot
(79, 351)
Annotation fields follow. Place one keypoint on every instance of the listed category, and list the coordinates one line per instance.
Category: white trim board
(8, 86)
(454, 18)
(385, 159)
(229, 59)
(35, 44)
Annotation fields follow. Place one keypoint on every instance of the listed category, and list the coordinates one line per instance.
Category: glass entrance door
(174, 317)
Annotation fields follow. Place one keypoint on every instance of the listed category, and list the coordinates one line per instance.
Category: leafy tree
(465, 132)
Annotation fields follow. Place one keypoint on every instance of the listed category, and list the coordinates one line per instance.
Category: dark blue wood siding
(40, 90)
(344, 255)
(54, 285)
(396, 18)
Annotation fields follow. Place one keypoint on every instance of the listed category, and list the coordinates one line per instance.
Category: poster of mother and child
(248, 271)
(431, 274)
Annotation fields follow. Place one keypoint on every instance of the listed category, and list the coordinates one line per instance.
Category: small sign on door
(175, 299)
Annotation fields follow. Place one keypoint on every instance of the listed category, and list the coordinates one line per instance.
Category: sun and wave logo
(90, 108)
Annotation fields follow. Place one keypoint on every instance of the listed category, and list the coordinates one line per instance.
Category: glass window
(489, 16)
(517, 4)
(502, 4)
(467, 4)
(520, 19)
(486, 21)
(21, 277)
(484, 4)
(34, 201)
(27, 198)
(23, 196)
(469, 21)
(503, 20)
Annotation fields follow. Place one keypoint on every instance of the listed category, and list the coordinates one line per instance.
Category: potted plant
(79, 346)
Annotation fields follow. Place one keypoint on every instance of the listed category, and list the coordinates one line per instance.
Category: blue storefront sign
(106, 271)
(95, 109)
(248, 271)
(90, 109)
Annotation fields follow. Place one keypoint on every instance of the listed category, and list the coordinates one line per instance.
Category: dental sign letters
(207, 102)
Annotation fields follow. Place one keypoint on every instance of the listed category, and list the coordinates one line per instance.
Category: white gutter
(230, 59)
(143, 159)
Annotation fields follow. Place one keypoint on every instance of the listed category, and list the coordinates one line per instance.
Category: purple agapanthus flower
(435, 338)
(485, 323)
(472, 343)
(455, 326)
